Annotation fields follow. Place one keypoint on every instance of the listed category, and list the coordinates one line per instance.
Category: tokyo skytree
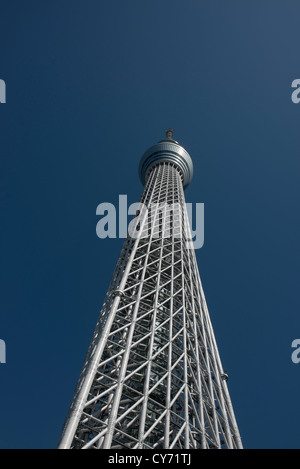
(152, 377)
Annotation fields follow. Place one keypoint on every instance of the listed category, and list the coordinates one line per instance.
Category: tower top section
(167, 150)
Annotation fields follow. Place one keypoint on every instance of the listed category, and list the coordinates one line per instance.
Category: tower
(153, 377)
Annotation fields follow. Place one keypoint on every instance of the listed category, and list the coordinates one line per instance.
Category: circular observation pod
(170, 151)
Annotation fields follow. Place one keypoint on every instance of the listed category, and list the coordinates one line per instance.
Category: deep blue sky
(90, 86)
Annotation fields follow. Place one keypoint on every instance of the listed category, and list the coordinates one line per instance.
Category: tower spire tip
(169, 134)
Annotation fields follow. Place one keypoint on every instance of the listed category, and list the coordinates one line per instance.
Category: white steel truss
(153, 377)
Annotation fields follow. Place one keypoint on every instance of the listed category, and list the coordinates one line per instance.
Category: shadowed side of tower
(153, 377)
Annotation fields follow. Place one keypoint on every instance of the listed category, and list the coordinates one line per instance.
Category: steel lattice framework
(153, 377)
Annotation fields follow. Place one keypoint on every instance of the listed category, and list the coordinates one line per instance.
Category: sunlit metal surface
(153, 377)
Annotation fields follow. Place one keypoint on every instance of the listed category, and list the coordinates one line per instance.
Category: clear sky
(90, 86)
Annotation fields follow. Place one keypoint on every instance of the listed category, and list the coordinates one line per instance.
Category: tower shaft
(153, 377)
